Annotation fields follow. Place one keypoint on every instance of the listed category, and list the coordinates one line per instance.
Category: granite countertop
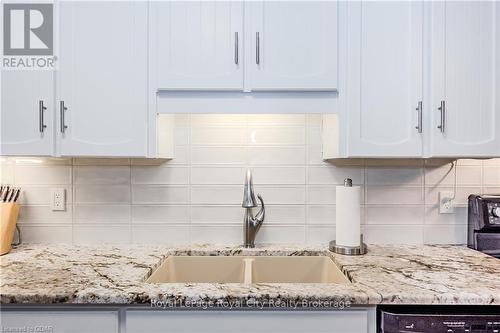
(432, 274)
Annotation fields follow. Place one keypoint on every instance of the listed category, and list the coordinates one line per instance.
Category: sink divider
(248, 270)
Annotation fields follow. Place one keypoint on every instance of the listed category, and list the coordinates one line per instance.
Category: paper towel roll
(348, 229)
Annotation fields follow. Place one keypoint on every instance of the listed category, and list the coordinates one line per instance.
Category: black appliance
(439, 319)
(484, 224)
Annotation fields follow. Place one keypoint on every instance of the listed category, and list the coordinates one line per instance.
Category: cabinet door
(292, 45)
(27, 106)
(345, 321)
(197, 44)
(384, 79)
(465, 47)
(102, 78)
(60, 321)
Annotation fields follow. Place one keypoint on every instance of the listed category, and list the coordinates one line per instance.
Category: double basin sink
(247, 270)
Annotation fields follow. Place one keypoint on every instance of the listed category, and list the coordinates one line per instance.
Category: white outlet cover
(58, 199)
(446, 202)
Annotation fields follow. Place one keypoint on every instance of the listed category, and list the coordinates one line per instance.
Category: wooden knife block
(8, 219)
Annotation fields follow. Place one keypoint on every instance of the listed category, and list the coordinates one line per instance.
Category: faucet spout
(251, 223)
(248, 196)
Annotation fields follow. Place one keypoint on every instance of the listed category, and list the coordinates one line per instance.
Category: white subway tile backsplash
(295, 214)
(218, 155)
(41, 194)
(492, 175)
(320, 234)
(44, 214)
(321, 214)
(196, 197)
(105, 213)
(202, 234)
(160, 175)
(280, 195)
(277, 155)
(277, 119)
(432, 216)
(321, 195)
(386, 195)
(394, 176)
(393, 234)
(207, 120)
(278, 175)
(462, 194)
(219, 136)
(314, 120)
(101, 175)
(276, 135)
(384, 215)
(217, 214)
(182, 135)
(334, 175)
(281, 234)
(160, 234)
(160, 214)
(181, 155)
(326, 195)
(469, 162)
(102, 234)
(313, 135)
(222, 195)
(491, 190)
(46, 233)
(144, 194)
(39, 175)
(445, 234)
(217, 175)
(445, 175)
(315, 155)
(6, 173)
(102, 194)
(182, 120)
(495, 162)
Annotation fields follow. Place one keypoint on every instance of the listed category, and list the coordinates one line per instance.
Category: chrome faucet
(251, 223)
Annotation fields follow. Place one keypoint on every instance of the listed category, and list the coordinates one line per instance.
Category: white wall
(197, 196)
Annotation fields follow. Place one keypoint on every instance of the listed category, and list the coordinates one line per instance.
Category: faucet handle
(262, 212)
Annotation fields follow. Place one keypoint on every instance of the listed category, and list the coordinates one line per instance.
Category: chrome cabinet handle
(442, 110)
(419, 117)
(257, 48)
(236, 48)
(41, 121)
(62, 110)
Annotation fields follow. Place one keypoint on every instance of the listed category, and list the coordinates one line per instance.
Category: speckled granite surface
(48, 274)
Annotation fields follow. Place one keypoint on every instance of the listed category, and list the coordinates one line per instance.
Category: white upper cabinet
(244, 45)
(384, 79)
(465, 109)
(102, 78)
(27, 104)
(197, 45)
(292, 45)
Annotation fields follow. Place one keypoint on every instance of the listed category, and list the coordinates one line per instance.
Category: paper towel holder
(349, 250)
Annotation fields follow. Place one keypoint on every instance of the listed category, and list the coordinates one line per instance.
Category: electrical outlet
(446, 202)
(58, 199)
